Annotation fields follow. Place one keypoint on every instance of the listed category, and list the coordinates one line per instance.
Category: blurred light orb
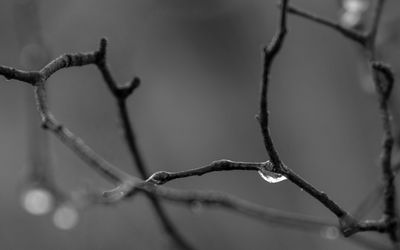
(37, 201)
(350, 19)
(355, 6)
(65, 217)
(330, 233)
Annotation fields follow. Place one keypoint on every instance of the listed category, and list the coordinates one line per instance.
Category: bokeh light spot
(37, 201)
(65, 217)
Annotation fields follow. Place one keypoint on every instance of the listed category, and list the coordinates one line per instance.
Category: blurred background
(200, 63)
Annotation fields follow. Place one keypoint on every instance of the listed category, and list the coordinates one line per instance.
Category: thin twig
(349, 33)
(348, 224)
(121, 93)
(163, 177)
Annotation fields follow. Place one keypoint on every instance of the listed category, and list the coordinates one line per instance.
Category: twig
(269, 55)
(121, 93)
(163, 177)
(351, 34)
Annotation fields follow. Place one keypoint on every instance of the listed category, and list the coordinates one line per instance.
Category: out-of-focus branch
(28, 31)
(218, 199)
(349, 33)
(377, 13)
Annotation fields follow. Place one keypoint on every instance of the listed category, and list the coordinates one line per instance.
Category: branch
(270, 53)
(348, 224)
(350, 34)
(121, 93)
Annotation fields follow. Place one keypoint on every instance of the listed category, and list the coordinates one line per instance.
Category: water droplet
(65, 217)
(330, 233)
(37, 201)
(355, 5)
(270, 177)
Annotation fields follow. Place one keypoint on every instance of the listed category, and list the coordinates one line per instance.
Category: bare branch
(218, 199)
(64, 61)
(348, 224)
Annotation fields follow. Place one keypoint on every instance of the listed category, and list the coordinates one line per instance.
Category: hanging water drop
(269, 176)
(330, 233)
(37, 201)
(65, 217)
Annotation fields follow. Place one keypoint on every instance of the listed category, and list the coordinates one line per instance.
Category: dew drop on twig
(271, 177)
